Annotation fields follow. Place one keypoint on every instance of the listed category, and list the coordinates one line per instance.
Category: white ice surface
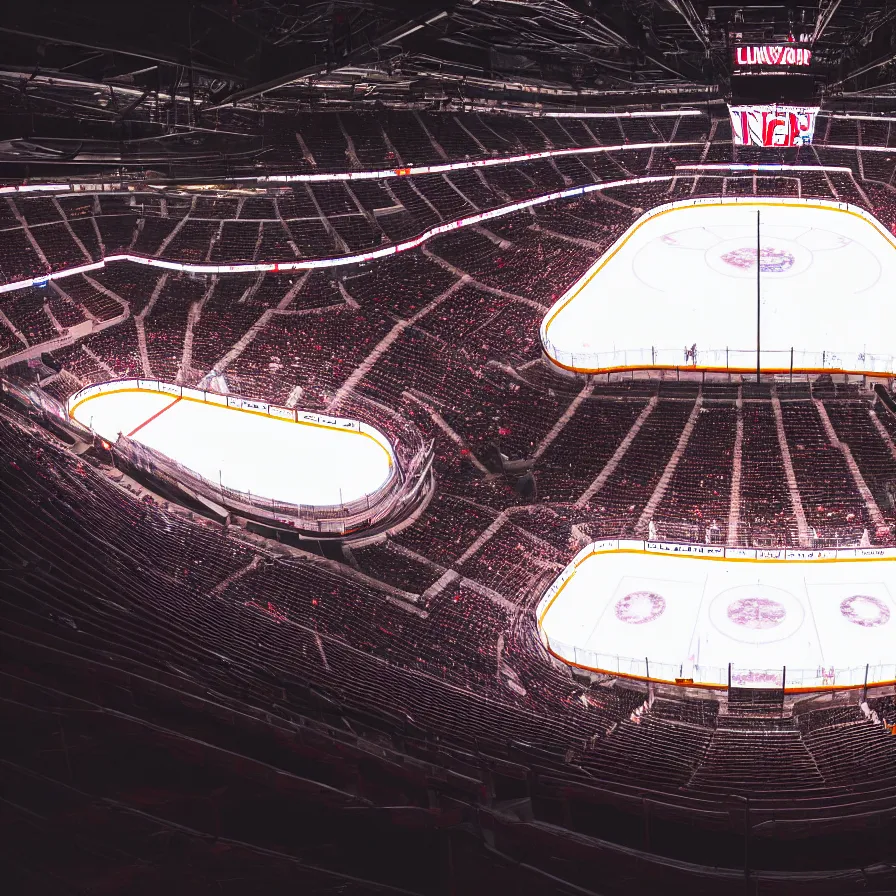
(803, 626)
(688, 276)
(277, 459)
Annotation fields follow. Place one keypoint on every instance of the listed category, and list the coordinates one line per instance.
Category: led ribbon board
(772, 125)
(772, 56)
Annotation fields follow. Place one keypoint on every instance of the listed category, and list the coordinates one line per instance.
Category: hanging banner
(772, 56)
(772, 125)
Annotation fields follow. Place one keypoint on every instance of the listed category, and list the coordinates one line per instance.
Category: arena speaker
(890, 493)
(526, 487)
(48, 361)
(492, 458)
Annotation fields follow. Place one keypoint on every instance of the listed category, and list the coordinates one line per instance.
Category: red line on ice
(150, 419)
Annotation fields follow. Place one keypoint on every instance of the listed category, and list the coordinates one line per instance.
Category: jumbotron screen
(772, 125)
(772, 56)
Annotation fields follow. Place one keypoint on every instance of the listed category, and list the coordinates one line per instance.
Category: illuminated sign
(772, 125)
(772, 56)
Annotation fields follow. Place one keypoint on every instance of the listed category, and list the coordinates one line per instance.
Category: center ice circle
(771, 260)
(778, 257)
(756, 614)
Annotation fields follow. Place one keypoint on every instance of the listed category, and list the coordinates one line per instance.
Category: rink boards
(685, 275)
(250, 447)
(685, 612)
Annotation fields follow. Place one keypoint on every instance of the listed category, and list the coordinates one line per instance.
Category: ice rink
(685, 275)
(689, 617)
(279, 459)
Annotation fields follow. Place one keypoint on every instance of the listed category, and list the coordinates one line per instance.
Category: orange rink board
(669, 612)
(684, 275)
(253, 448)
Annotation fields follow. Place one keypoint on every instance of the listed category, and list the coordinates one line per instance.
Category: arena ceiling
(76, 76)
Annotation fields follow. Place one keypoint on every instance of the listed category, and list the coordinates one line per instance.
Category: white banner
(772, 125)
(768, 55)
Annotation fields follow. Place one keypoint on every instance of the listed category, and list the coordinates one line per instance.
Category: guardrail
(714, 676)
(779, 360)
(335, 261)
(329, 519)
(734, 360)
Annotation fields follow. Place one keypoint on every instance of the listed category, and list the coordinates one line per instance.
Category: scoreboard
(774, 94)
(772, 125)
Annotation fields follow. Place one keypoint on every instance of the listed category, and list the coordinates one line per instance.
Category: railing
(631, 667)
(755, 534)
(383, 252)
(778, 360)
(785, 677)
(72, 334)
(335, 261)
(713, 675)
(722, 359)
(331, 519)
(407, 171)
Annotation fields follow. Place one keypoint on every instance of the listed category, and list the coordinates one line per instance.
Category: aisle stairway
(756, 746)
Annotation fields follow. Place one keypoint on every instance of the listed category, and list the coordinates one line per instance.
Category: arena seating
(617, 507)
(854, 425)
(385, 563)
(318, 351)
(66, 312)
(25, 310)
(511, 559)
(225, 317)
(448, 528)
(496, 409)
(766, 508)
(586, 739)
(829, 494)
(758, 758)
(317, 220)
(165, 325)
(697, 502)
(18, 259)
(134, 284)
(245, 670)
(508, 255)
(226, 230)
(576, 457)
(119, 350)
(99, 304)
